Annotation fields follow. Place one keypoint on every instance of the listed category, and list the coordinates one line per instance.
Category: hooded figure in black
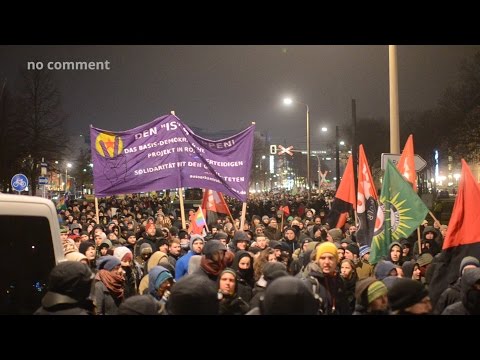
(288, 295)
(470, 295)
(69, 289)
(245, 277)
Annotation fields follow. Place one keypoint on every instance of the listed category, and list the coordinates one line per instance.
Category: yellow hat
(326, 247)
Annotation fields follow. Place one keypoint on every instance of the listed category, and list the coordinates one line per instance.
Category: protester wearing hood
(159, 283)
(470, 295)
(193, 295)
(288, 295)
(452, 294)
(409, 297)
(395, 253)
(196, 246)
(214, 260)
(243, 267)
(69, 290)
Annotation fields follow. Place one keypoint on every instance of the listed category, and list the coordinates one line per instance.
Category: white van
(30, 247)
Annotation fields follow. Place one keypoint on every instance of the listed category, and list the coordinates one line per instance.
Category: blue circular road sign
(19, 182)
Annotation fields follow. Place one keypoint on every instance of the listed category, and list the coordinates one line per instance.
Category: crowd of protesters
(139, 260)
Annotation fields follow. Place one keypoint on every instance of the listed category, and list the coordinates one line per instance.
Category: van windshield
(27, 259)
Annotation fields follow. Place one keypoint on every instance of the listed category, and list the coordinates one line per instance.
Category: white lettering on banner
(130, 150)
(154, 169)
(218, 145)
(146, 133)
(234, 179)
(225, 163)
(161, 153)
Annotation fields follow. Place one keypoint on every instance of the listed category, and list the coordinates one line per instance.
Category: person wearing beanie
(409, 297)
(371, 296)
(351, 252)
(132, 273)
(364, 268)
(139, 305)
(230, 301)
(87, 248)
(335, 235)
(452, 294)
(69, 290)
(289, 296)
(469, 303)
(330, 287)
(213, 260)
(193, 295)
(385, 268)
(109, 285)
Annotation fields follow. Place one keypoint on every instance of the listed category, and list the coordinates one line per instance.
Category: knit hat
(212, 246)
(326, 247)
(129, 233)
(75, 256)
(336, 234)
(69, 282)
(352, 248)
(364, 249)
(468, 260)
(265, 218)
(63, 230)
(139, 305)
(193, 295)
(107, 262)
(361, 290)
(405, 293)
(240, 236)
(375, 290)
(123, 253)
(424, 259)
(289, 295)
(220, 235)
(146, 248)
(195, 237)
(274, 268)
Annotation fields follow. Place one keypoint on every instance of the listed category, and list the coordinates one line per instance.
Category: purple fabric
(166, 154)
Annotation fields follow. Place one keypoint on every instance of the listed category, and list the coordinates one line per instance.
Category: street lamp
(289, 101)
(69, 165)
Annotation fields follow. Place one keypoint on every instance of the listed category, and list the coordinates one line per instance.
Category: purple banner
(166, 154)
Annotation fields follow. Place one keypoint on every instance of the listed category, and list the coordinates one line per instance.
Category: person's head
(288, 295)
(409, 296)
(123, 254)
(468, 262)
(290, 234)
(131, 238)
(111, 264)
(377, 296)
(163, 245)
(347, 268)
(215, 250)
(443, 230)
(70, 282)
(240, 240)
(159, 281)
(351, 252)
(196, 244)
(175, 249)
(364, 252)
(88, 249)
(395, 252)
(327, 257)
(227, 282)
(150, 229)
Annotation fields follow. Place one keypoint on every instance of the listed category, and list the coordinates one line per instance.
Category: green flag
(402, 209)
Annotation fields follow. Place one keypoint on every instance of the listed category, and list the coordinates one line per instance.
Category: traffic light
(273, 149)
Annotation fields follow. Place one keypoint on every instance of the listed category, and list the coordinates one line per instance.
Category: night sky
(223, 87)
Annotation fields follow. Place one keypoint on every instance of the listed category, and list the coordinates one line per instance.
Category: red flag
(285, 209)
(367, 198)
(197, 223)
(463, 227)
(463, 234)
(213, 203)
(345, 198)
(406, 164)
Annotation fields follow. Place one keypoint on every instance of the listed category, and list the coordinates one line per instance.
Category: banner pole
(419, 241)
(96, 211)
(182, 208)
(242, 219)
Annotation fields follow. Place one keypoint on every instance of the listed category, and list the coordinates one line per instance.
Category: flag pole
(182, 208)
(419, 241)
(96, 211)
(242, 219)
(433, 216)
